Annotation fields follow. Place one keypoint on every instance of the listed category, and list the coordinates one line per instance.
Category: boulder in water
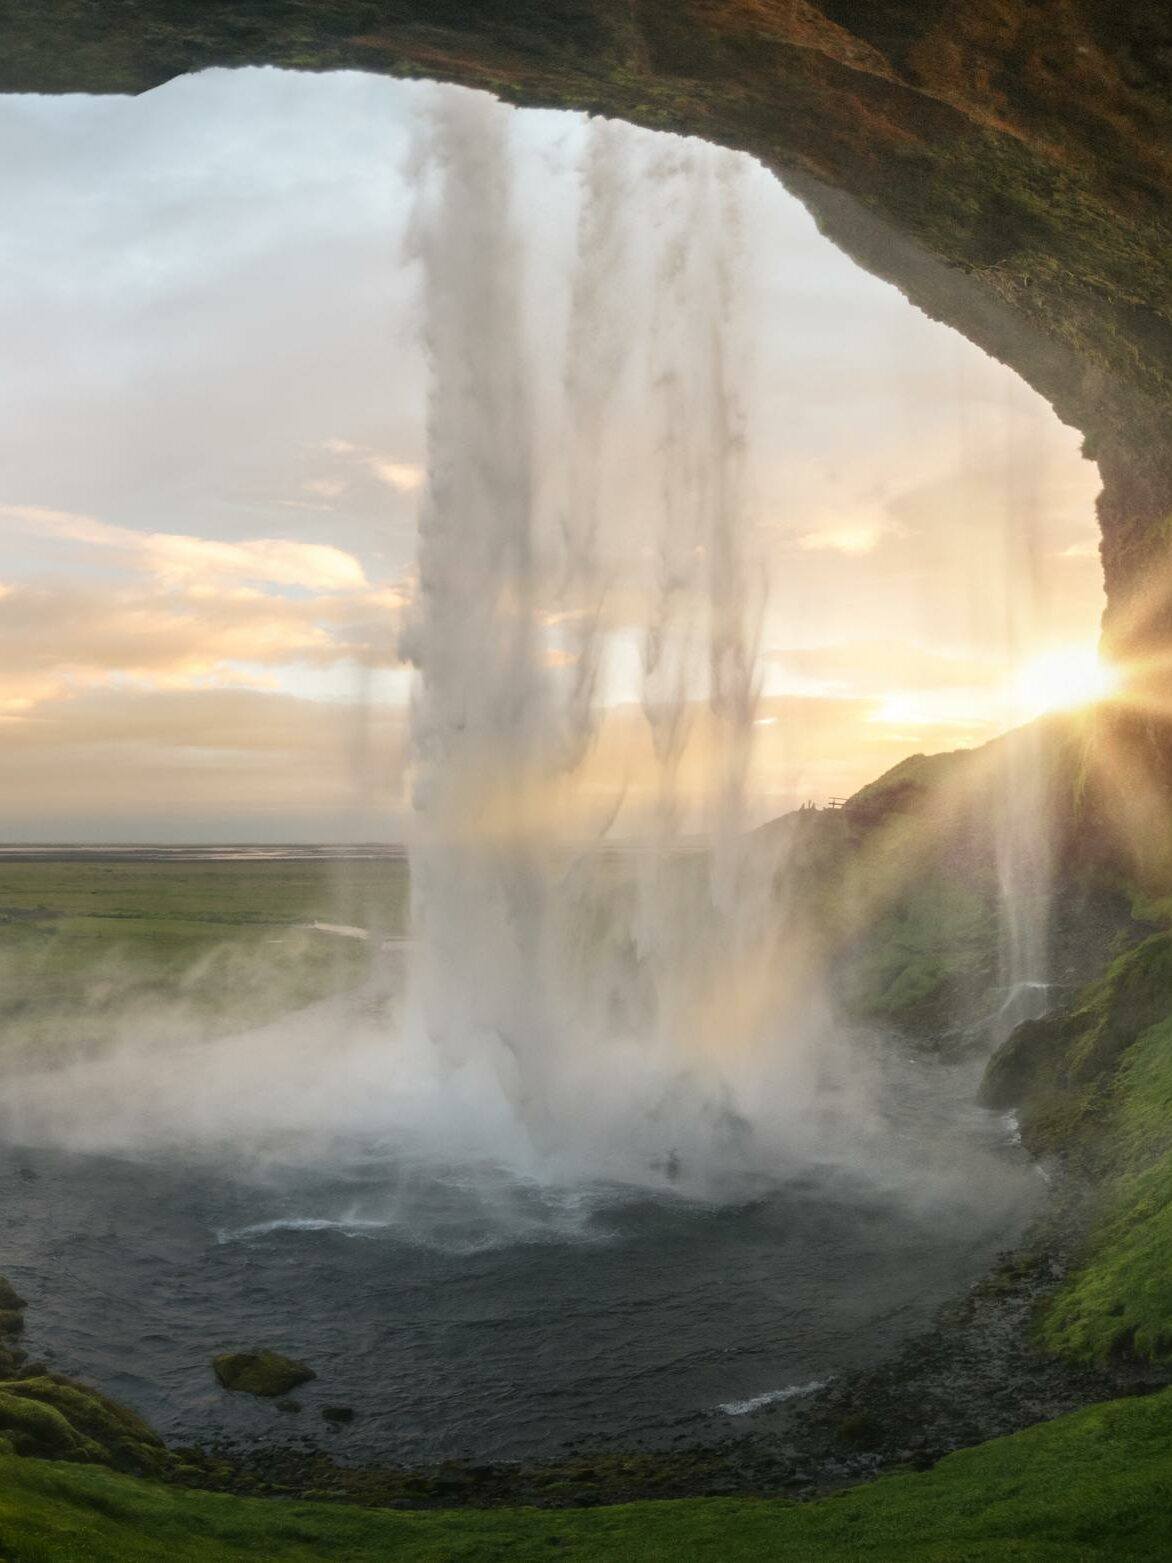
(338, 1414)
(260, 1372)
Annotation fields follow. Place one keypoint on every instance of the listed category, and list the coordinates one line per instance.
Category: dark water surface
(466, 1314)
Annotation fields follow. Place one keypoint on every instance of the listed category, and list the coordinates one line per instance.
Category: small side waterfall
(1023, 806)
(1025, 874)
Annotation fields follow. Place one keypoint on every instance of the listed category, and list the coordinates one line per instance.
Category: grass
(920, 954)
(208, 893)
(91, 951)
(1093, 1083)
(1120, 1299)
(1096, 1485)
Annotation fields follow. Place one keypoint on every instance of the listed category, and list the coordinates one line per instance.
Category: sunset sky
(212, 453)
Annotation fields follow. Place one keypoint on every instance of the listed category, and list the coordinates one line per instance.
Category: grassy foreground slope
(1095, 1485)
(1120, 1300)
(1093, 1084)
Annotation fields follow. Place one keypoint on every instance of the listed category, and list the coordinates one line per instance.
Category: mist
(561, 1015)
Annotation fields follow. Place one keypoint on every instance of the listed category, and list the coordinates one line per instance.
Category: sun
(1062, 679)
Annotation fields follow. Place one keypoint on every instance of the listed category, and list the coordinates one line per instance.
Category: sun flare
(1062, 679)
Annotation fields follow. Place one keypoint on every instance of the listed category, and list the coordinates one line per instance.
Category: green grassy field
(1097, 1485)
(91, 951)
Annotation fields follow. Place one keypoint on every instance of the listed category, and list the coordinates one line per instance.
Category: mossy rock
(99, 1429)
(260, 1372)
(41, 1430)
(1030, 1055)
(1058, 1069)
(12, 1361)
(10, 1300)
(11, 1321)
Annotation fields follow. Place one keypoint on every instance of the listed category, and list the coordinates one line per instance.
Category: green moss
(1094, 1083)
(125, 1439)
(72, 1421)
(1119, 1300)
(1060, 1071)
(37, 1429)
(919, 959)
(260, 1372)
(1148, 908)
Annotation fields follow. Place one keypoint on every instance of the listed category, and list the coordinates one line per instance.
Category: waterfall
(1022, 840)
(704, 621)
(628, 1004)
(480, 719)
(1022, 805)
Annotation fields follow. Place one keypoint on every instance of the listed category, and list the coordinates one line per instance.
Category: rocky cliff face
(1007, 163)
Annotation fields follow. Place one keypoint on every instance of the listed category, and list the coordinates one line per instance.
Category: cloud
(181, 560)
(403, 476)
(847, 537)
(259, 764)
(212, 764)
(57, 638)
(195, 611)
(324, 488)
(865, 668)
(224, 357)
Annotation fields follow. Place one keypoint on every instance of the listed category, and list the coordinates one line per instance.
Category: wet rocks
(264, 1372)
(859, 1429)
(337, 1414)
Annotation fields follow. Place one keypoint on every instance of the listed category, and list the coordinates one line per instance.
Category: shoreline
(972, 1376)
